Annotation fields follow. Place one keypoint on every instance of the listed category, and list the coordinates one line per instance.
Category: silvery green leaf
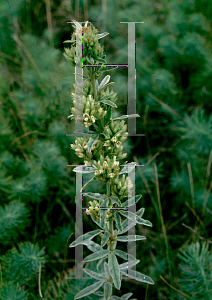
(77, 24)
(70, 41)
(128, 168)
(97, 255)
(115, 298)
(115, 200)
(99, 59)
(106, 268)
(107, 290)
(94, 247)
(105, 238)
(128, 265)
(88, 183)
(99, 263)
(98, 293)
(127, 117)
(114, 270)
(131, 238)
(106, 97)
(92, 141)
(95, 221)
(96, 196)
(108, 102)
(105, 68)
(85, 237)
(83, 169)
(131, 201)
(110, 83)
(140, 212)
(95, 275)
(118, 222)
(103, 213)
(124, 255)
(90, 59)
(135, 218)
(89, 290)
(139, 277)
(104, 82)
(126, 226)
(101, 35)
(126, 296)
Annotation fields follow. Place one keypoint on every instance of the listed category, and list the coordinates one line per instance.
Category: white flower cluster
(92, 110)
(106, 168)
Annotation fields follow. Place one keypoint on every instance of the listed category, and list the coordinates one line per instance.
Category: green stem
(110, 226)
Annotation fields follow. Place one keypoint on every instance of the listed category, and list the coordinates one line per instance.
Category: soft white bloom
(100, 110)
(80, 155)
(118, 144)
(93, 119)
(114, 139)
(105, 164)
(111, 175)
(96, 172)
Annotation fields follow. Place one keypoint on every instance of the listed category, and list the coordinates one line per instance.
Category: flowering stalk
(103, 152)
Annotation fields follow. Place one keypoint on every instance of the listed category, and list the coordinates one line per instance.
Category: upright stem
(110, 226)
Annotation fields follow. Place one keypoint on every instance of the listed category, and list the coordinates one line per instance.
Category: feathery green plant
(103, 152)
(196, 278)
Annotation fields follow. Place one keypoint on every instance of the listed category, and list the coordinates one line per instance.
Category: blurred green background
(174, 101)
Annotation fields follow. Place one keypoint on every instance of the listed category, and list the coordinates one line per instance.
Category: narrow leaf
(105, 238)
(83, 169)
(92, 141)
(114, 270)
(90, 59)
(115, 200)
(97, 255)
(95, 221)
(140, 212)
(99, 262)
(104, 82)
(96, 196)
(135, 218)
(139, 277)
(131, 238)
(106, 85)
(77, 24)
(115, 298)
(94, 247)
(118, 222)
(70, 41)
(85, 237)
(106, 268)
(124, 255)
(101, 35)
(128, 265)
(127, 117)
(99, 294)
(106, 97)
(126, 296)
(131, 201)
(108, 102)
(128, 168)
(89, 290)
(126, 226)
(104, 68)
(95, 275)
(88, 183)
(107, 290)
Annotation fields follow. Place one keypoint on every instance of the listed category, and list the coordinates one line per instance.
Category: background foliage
(37, 188)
